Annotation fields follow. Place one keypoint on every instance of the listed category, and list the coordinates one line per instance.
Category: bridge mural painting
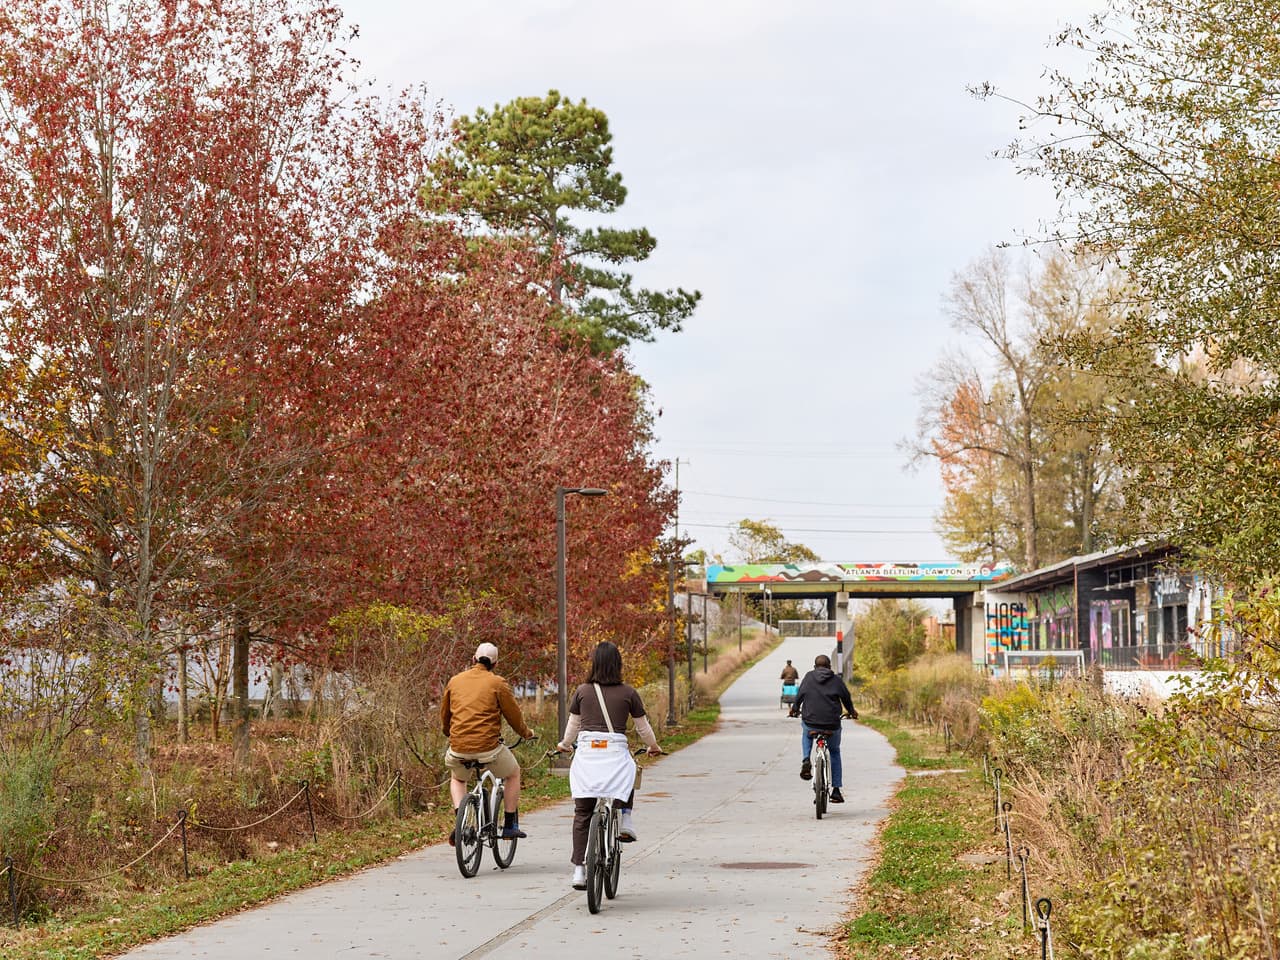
(1007, 628)
(853, 572)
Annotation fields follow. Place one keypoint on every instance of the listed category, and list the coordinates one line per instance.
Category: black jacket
(820, 698)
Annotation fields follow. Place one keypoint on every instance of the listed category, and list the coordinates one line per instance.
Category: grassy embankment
(922, 900)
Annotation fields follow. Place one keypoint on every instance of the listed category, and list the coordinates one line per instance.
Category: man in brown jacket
(471, 713)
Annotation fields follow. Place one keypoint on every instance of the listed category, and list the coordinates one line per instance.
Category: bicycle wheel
(596, 860)
(468, 844)
(504, 851)
(613, 866)
(820, 783)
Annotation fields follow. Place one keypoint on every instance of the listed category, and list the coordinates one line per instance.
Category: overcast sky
(817, 169)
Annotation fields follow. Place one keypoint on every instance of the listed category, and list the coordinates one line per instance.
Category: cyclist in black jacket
(818, 704)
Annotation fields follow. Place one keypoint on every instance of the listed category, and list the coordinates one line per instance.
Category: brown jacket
(471, 711)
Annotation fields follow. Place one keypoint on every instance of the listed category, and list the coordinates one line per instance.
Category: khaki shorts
(501, 763)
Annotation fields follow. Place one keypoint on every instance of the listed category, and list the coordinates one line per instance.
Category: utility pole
(671, 641)
(704, 632)
(677, 463)
(739, 619)
(688, 636)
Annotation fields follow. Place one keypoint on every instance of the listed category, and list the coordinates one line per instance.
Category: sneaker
(626, 829)
(453, 841)
(579, 880)
(513, 832)
(806, 769)
(837, 796)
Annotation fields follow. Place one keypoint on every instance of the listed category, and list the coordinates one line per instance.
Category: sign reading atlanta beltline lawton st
(744, 573)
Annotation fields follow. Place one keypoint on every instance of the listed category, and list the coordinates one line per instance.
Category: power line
(723, 526)
(800, 455)
(734, 516)
(815, 503)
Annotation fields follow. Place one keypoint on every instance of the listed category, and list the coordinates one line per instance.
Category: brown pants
(583, 808)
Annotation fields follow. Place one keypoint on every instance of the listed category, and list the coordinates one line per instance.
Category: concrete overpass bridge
(838, 583)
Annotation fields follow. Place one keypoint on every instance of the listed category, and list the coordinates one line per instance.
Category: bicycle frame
(821, 761)
(476, 825)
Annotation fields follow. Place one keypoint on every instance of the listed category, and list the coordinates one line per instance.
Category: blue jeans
(833, 748)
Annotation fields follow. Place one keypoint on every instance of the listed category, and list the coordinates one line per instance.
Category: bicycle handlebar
(553, 752)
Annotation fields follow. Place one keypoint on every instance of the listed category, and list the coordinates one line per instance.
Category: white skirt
(602, 766)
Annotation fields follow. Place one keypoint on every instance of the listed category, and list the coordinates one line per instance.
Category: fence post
(182, 823)
(311, 817)
(946, 735)
(1023, 854)
(399, 797)
(996, 775)
(13, 890)
(1008, 841)
(986, 768)
(1043, 908)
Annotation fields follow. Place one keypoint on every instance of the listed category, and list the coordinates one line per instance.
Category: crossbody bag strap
(603, 708)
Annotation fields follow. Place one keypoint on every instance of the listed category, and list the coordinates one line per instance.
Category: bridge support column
(971, 626)
(838, 610)
(964, 623)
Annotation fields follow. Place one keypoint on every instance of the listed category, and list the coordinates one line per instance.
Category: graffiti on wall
(1007, 628)
(1052, 617)
(1053, 603)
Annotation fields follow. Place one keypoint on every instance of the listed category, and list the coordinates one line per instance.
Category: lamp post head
(589, 492)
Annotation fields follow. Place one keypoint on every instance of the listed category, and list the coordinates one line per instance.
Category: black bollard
(1008, 841)
(1043, 908)
(996, 775)
(1023, 854)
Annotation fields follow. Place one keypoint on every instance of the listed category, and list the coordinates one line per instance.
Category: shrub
(27, 809)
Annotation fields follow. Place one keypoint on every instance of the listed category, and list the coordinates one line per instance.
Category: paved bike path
(730, 862)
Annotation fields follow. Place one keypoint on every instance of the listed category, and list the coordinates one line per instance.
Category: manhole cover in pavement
(764, 865)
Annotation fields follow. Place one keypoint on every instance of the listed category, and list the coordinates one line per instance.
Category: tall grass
(1156, 825)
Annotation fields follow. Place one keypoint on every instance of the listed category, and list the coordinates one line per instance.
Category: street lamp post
(562, 633)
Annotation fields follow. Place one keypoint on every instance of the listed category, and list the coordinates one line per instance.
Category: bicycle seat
(822, 733)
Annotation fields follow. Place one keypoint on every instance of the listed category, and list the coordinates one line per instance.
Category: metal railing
(807, 628)
(1187, 655)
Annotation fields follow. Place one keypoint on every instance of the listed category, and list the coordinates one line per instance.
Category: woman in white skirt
(602, 763)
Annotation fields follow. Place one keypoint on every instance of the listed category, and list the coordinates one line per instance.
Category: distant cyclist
(471, 712)
(790, 674)
(818, 704)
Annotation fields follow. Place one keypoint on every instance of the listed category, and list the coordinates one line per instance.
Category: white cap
(488, 651)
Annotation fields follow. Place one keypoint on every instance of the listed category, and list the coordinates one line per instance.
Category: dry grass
(729, 662)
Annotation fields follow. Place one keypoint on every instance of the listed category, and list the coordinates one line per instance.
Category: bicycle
(477, 823)
(820, 766)
(603, 860)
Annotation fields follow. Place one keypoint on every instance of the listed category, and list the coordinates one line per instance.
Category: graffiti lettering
(1007, 628)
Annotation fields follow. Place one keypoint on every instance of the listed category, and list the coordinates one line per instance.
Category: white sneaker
(626, 829)
(579, 877)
